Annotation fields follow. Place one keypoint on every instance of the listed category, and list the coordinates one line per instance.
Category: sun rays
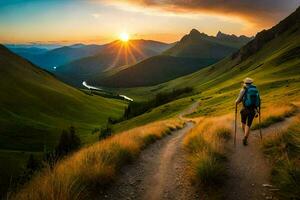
(127, 52)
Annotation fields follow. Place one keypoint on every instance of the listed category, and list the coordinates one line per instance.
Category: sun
(124, 37)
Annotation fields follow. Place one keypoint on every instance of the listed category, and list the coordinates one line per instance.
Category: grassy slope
(34, 102)
(154, 70)
(283, 150)
(35, 107)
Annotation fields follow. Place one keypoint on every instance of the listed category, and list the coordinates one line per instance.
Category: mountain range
(111, 57)
(193, 52)
(110, 64)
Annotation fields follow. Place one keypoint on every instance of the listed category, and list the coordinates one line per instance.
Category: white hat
(248, 80)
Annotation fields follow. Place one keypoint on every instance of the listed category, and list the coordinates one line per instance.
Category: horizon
(34, 44)
(101, 22)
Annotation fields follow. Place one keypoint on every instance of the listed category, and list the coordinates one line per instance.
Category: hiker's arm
(240, 97)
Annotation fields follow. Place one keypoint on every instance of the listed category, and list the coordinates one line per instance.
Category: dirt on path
(248, 168)
(158, 173)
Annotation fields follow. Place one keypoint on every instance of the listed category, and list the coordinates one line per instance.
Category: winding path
(158, 173)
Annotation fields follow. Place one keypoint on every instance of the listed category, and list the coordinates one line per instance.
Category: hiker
(249, 95)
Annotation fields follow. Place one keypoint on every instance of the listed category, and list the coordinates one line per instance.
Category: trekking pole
(235, 116)
(259, 122)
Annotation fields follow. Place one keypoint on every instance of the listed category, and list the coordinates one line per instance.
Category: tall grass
(274, 113)
(283, 149)
(86, 171)
(206, 153)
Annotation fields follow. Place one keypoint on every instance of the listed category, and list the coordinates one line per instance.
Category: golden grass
(274, 113)
(205, 145)
(283, 150)
(87, 170)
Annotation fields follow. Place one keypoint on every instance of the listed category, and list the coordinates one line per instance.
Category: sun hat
(248, 80)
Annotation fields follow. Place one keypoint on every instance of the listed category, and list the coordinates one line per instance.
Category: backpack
(251, 97)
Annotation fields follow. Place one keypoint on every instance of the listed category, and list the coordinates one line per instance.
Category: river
(90, 87)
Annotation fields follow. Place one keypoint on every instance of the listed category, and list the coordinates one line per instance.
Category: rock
(267, 185)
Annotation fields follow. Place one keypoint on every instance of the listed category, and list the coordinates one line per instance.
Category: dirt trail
(158, 173)
(248, 168)
(160, 170)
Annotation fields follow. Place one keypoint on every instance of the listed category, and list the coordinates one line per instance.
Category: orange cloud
(261, 13)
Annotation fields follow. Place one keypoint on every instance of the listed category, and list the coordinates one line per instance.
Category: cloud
(96, 15)
(259, 12)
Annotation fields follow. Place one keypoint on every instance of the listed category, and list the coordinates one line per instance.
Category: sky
(101, 21)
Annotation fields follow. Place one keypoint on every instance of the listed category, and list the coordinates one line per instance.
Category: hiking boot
(245, 142)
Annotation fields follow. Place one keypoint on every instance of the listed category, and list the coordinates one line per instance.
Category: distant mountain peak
(194, 31)
(221, 35)
(195, 34)
(77, 45)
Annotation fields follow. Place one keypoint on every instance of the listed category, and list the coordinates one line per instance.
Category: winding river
(90, 87)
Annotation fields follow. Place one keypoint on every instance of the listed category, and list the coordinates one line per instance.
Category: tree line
(138, 108)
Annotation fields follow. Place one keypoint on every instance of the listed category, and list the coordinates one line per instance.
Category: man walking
(249, 95)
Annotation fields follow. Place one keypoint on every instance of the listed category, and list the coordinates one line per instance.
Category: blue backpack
(251, 97)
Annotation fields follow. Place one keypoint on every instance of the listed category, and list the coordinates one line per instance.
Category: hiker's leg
(250, 118)
(243, 127)
(247, 131)
(243, 119)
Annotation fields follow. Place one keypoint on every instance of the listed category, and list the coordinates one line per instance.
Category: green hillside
(152, 71)
(34, 101)
(35, 107)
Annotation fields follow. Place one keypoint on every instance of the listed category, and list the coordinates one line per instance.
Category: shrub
(149, 139)
(223, 133)
(68, 142)
(105, 132)
(209, 170)
(273, 114)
